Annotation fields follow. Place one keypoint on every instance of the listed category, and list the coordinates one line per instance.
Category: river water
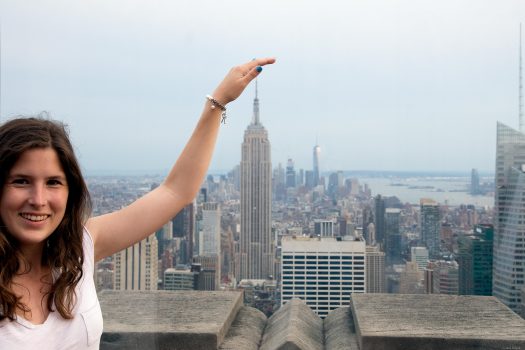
(445, 190)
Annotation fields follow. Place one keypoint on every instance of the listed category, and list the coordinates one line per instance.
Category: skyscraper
(317, 154)
(474, 182)
(322, 271)
(255, 259)
(419, 255)
(509, 228)
(392, 236)
(379, 219)
(211, 230)
(475, 261)
(291, 177)
(136, 267)
(183, 227)
(430, 221)
(210, 245)
(375, 270)
(445, 277)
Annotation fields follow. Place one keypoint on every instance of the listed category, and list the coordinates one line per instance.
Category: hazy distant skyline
(382, 85)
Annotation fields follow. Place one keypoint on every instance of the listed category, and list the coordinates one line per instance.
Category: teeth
(34, 217)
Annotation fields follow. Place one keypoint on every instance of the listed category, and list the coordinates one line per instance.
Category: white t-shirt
(83, 332)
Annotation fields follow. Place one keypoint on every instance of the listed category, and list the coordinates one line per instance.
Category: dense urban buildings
(273, 234)
(255, 257)
(509, 223)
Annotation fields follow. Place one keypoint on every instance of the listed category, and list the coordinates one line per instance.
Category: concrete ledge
(246, 331)
(432, 322)
(293, 327)
(339, 330)
(167, 320)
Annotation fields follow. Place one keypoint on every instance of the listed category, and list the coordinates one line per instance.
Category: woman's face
(34, 196)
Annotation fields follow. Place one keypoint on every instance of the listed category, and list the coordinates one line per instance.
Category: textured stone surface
(246, 331)
(339, 330)
(167, 319)
(394, 321)
(293, 327)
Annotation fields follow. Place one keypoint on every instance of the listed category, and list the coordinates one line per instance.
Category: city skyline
(380, 85)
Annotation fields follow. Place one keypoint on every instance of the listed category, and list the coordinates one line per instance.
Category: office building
(322, 271)
(445, 277)
(179, 279)
(475, 261)
(183, 227)
(136, 267)
(430, 222)
(509, 223)
(419, 255)
(210, 230)
(392, 236)
(324, 228)
(375, 270)
(255, 259)
(411, 279)
(379, 217)
(210, 247)
(291, 176)
(209, 277)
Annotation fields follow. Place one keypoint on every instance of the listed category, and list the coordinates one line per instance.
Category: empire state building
(255, 258)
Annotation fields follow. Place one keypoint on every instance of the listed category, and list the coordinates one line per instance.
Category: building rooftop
(218, 320)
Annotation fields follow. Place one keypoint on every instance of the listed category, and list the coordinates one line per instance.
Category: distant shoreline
(347, 173)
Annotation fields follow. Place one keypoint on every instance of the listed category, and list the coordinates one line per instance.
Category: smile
(34, 218)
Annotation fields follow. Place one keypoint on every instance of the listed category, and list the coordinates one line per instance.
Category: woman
(48, 247)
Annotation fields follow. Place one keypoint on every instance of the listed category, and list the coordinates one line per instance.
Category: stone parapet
(339, 330)
(188, 320)
(246, 331)
(293, 326)
(209, 320)
(432, 322)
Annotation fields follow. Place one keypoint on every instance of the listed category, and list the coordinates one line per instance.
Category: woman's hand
(238, 78)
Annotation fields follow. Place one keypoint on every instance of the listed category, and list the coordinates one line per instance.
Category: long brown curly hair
(63, 252)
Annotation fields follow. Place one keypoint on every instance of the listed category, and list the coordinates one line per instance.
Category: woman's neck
(32, 263)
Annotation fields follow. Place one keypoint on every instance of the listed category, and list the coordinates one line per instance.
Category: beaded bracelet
(215, 103)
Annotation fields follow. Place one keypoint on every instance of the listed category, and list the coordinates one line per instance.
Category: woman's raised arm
(120, 229)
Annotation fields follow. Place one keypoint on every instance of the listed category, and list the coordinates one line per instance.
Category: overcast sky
(381, 84)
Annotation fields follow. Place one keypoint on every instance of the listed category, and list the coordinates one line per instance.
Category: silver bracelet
(215, 103)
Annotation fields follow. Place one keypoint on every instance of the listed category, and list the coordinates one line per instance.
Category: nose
(37, 196)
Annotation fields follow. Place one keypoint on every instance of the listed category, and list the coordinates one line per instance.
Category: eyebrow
(53, 177)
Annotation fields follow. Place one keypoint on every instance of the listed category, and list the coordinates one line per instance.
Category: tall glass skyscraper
(255, 259)
(430, 220)
(509, 228)
(317, 154)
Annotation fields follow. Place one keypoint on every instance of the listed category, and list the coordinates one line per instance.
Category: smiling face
(34, 196)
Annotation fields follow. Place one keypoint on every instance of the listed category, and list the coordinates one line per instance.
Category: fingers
(254, 67)
(258, 62)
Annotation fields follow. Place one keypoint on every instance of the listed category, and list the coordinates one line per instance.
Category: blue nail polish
(258, 69)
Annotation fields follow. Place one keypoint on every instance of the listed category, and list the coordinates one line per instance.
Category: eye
(19, 181)
(54, 182)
